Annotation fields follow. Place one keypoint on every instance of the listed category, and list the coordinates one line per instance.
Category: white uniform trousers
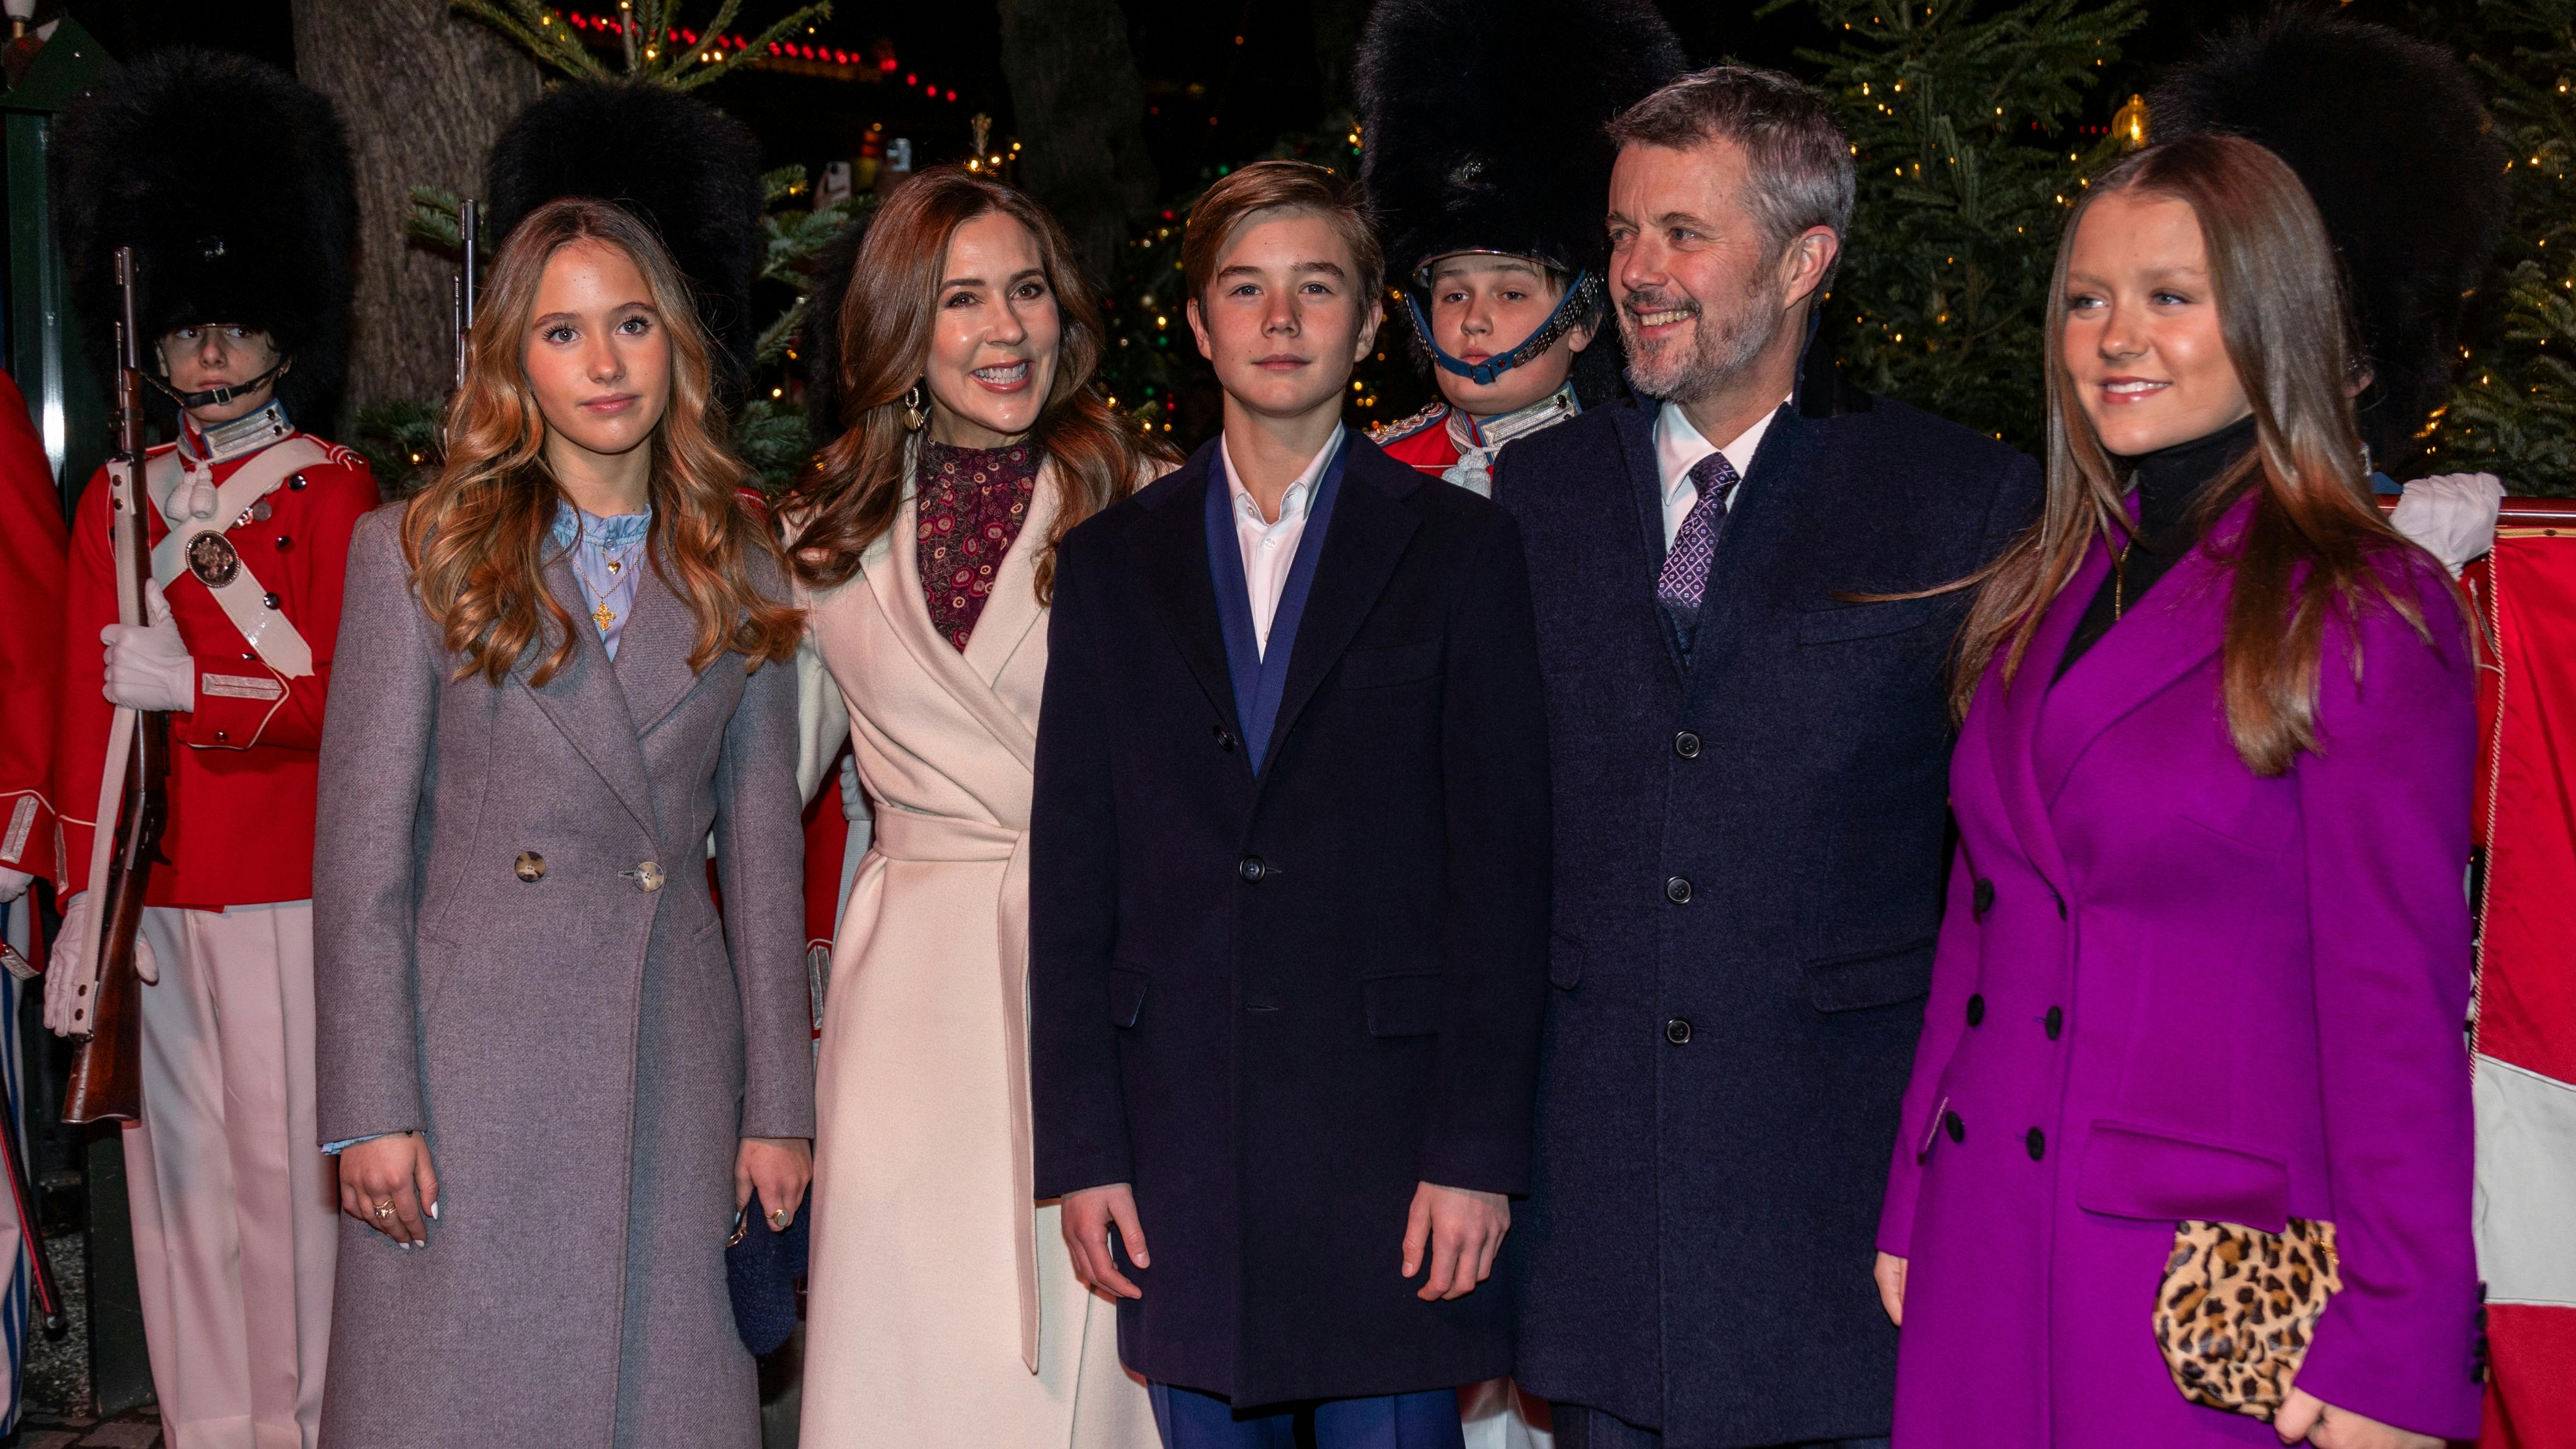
(235, 1208)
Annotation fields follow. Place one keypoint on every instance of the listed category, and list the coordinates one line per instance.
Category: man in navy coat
(1289, 874)
(1751, 751)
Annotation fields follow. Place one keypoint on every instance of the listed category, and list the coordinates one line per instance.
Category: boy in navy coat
(1290, 879)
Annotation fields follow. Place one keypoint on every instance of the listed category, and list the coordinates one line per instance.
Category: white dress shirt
(1678, 449)
(1270, 548)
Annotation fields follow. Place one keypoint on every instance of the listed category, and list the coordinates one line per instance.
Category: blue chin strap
(1581, 295)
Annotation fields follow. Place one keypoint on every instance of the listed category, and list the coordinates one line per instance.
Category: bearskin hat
(1483, 129)
(266, 240)
(2395, 146)
(1482, 122)
(686, 169)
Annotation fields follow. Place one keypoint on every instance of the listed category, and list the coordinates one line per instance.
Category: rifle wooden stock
(107, 1072)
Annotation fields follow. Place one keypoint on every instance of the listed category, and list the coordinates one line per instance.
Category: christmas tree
(2513, 409)
(1959, 115)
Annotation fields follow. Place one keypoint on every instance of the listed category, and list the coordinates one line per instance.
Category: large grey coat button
(529, 867)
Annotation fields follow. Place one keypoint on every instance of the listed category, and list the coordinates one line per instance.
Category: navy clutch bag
(761, 1268)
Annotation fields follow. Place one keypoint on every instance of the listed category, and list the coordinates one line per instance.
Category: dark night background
(1224, 79)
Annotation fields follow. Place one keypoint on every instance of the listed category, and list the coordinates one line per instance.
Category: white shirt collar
(1679, 448)
(1293, 503)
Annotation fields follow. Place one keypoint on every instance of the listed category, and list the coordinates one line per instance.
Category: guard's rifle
(107, 1073)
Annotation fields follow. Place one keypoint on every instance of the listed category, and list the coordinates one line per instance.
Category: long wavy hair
(2314, 545)
(477, 537)
(848, 498)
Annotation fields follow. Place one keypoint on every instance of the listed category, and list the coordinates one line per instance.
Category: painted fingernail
(433, 1210)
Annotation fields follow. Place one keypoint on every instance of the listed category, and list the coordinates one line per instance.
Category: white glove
(13, 884)
(62, 963)
(854, 800)
(193, 498)
(2453, 516)
(148, 666)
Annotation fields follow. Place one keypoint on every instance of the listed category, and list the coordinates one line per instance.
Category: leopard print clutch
(2236, 1308)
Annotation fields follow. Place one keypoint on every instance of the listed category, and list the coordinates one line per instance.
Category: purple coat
(2168, 989)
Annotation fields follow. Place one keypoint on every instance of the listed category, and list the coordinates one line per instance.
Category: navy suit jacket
(1749, 867)
(1276, 1004)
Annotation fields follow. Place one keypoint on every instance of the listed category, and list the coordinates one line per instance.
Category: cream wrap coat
(942, 1305)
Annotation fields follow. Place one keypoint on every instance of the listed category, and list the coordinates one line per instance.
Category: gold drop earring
(916, 407)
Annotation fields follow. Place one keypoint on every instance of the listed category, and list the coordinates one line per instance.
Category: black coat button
(284, 543)
(2056, 1022)
(1677, 1031)
(1251, 868)
(1677, 890)
(2037, 1142)
(1224, 738)
(1951, 1124)
(1984, 899)
(269, 599)
(1686, 745)
(1976, 1010)
(295, 484)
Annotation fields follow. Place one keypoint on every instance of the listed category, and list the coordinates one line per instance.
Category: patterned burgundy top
(972, 503)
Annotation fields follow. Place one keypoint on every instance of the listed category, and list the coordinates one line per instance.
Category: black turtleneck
(2168, 483)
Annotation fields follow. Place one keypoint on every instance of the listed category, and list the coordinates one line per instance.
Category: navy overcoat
(1749, 867)
(1275, 1005)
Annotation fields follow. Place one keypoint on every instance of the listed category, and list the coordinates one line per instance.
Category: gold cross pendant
(603, 616)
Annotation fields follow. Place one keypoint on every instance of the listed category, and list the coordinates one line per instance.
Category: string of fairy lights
(874, 63)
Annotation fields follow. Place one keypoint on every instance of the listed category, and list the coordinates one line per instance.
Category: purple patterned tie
(1685, 576)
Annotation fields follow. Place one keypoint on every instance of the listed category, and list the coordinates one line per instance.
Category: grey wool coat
(583, 1050)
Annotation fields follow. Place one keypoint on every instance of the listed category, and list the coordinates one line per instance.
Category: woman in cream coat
(944, 1309)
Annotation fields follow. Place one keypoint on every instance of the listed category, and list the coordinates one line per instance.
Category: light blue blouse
(607, 556)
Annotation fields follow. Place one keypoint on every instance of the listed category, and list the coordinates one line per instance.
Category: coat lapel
(584, 701)
(895, 577)
(1170, 539)
(2165, 635)
(1363, 542)
(1013, 609)
(1756, 531)
(652, 664)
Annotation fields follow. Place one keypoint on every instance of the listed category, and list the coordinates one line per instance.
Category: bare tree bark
(1081, 113)
(424, 92)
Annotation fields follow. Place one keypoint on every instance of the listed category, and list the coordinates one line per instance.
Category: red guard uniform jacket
(1421, 441)
(241, 768)
(31, 579)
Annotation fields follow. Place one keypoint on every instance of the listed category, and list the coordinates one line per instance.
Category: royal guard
(31, 571)
(31, 577)
(243, 282)
(1490, 213)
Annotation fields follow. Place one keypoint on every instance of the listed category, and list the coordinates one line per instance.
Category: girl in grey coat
(553, 1073)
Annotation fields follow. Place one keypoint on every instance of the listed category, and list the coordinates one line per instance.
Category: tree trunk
(1081, 114)
(424, 93)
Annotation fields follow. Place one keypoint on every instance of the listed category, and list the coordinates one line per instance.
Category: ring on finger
(384, 1210)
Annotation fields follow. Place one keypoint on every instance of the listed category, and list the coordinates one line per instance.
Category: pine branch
(539, 31)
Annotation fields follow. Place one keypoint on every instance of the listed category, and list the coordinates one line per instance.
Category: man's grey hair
(1801, 160)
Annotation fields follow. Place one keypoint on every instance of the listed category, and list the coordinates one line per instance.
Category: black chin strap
(218, 396)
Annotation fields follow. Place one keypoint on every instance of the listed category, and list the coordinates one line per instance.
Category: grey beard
(1717, 353)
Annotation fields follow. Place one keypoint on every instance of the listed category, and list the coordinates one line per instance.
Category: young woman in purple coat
(2207, 951)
